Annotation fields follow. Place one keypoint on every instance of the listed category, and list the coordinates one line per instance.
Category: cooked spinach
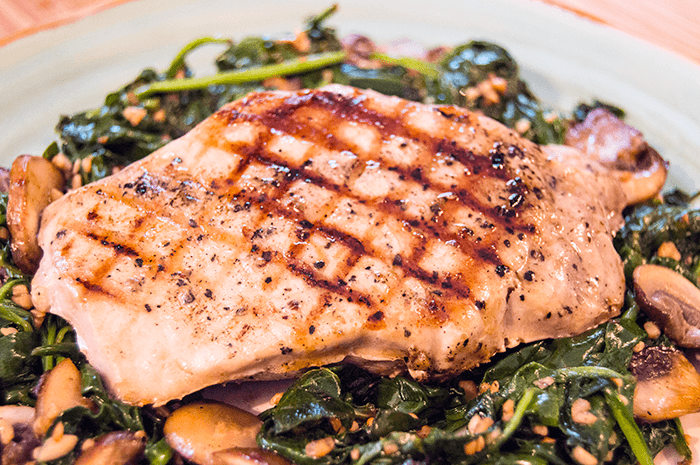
(647, 226)
(381, 420)
(414, 423)
(522, 411)
(18, 367)
(160, 106)
(476, 62)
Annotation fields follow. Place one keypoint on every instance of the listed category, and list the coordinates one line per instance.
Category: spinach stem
(680, 443)
(179, 60)
(315, 22)
(49, 339)
(296, 66)
(62, 333)
(7, 287)
(59, 339)
(415, 64)
(630, 315)
(57, 349)
(523, 405)
(159, 453)
(588, 372)
(17, 315)
(629, 428)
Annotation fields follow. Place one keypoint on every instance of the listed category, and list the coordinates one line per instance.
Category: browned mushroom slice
(623, 149)
(247, 456)
(359, 50)
(4, 187)
(671, 301)
(668, 385)
(199, 429)
(115, 448)
(34, 183)
(59, 390)
(4, 179)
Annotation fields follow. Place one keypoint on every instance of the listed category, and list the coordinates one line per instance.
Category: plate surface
(564, 58)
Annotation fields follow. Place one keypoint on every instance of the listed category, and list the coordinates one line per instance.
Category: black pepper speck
(501, 270)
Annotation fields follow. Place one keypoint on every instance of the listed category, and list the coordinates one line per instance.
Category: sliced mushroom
(4, 187)
(623, 149)
(33, 184)
(646, 179)
(19, 450)
(199, 429)
(115, 448)
(671, 301)
(247, 456)
(668, 385)
(359, 50)
(4, 179)
(19, 440)
(59, 390)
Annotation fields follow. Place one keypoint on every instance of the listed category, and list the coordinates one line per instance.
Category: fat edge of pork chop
(298, 229)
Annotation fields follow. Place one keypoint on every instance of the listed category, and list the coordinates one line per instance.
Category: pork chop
(298, 229)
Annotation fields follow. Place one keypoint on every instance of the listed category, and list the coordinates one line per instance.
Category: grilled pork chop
(297, 229)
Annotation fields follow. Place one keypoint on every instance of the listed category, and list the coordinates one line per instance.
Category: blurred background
(671, 24)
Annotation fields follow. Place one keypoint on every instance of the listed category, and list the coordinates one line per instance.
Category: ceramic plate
(564, 58)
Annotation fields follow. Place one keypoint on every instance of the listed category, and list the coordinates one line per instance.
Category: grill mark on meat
(298, 268)
(91, 286)
(456, 288)
(411, 268)
(328, 216)
(319, 136)
(343, 108)
(119, 249)
(358, 250)
(448, 285)
(283, 119)
(355, 245)
(339, 288)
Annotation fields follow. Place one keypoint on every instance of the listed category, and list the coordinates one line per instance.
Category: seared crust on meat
(297, 229)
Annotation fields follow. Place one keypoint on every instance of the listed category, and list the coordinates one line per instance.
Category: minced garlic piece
(583, 457)
(134, 115)
(669, 250)
(652, 330)
(320, 447)
(581, 412)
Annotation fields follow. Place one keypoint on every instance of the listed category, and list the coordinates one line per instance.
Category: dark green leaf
(315, 397)
(17, 364)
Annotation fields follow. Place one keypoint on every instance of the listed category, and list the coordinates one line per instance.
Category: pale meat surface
(298, 229)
